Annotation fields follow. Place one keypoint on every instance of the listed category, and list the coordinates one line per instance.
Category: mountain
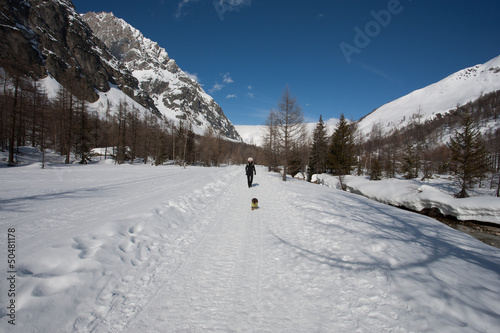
(50, 42)
(176, 95)
(459, 88)
(48, 39)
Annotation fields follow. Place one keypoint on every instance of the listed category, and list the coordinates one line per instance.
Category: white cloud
(220, 6)
(181, 5)
(193, 76)
(227, 78)
(217, 86)
(232, 5)
(250, 94)
(231, 96)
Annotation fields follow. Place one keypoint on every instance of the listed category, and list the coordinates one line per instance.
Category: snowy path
(142, 249)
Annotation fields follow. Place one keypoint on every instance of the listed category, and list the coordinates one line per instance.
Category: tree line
(124, 133)
(127, 135)
(414, 151)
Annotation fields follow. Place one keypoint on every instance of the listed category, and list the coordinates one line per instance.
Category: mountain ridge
(177, 96)
(459, 88)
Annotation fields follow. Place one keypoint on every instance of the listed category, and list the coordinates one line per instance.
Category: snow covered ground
(136, 248)
(416, 195)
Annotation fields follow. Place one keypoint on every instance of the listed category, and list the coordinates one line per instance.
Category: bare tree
(13, 116)
(270, 142)
(290, 125)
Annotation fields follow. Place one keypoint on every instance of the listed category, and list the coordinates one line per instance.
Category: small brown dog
(255, 203)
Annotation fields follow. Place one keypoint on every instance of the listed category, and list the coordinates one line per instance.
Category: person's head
(250, 160)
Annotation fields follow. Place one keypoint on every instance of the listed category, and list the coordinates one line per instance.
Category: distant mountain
(464, 86)
(176, 95)
(457, 89)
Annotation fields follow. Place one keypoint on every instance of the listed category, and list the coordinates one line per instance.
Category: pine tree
(341, 156)
(190, 145)
(409, 165)
(295, 162)
(376, 170)
(468, 154)
(319, 150)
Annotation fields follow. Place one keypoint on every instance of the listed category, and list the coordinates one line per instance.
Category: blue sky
(336, 56)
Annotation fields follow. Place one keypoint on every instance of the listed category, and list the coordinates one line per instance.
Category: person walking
(250, 171)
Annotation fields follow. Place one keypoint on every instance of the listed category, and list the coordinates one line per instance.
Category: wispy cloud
(226, 78)
(181, 5)
(217, 86)
(250, 93)
(221, 6)
(193, 76)
(232, 5)
(374, 70)
(231, 96)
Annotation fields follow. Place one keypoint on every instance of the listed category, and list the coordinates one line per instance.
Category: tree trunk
(12, 137)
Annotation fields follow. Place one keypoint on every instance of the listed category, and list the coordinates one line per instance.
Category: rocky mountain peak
(50, 38)
(176, 95)
(126, 43)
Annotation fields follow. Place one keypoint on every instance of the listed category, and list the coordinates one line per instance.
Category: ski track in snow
(138, 249)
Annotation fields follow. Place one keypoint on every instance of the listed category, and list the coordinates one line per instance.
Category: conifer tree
(376, 170)
(341, 156)
(190, 145)
(468, 154)
(295, 161)
(409, 165)
(319, 150)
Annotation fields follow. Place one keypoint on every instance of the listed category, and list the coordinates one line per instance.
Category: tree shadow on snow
(406, 245)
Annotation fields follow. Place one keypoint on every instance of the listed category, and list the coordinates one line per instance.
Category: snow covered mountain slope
(135, 248)
(457, 89)
(177, 96)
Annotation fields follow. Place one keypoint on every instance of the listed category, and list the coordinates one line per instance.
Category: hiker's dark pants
(250, 179)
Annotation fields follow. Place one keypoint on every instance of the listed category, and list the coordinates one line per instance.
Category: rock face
(176, 95)
(49, 37)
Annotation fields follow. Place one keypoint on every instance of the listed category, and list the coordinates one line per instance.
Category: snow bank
(417, 195)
